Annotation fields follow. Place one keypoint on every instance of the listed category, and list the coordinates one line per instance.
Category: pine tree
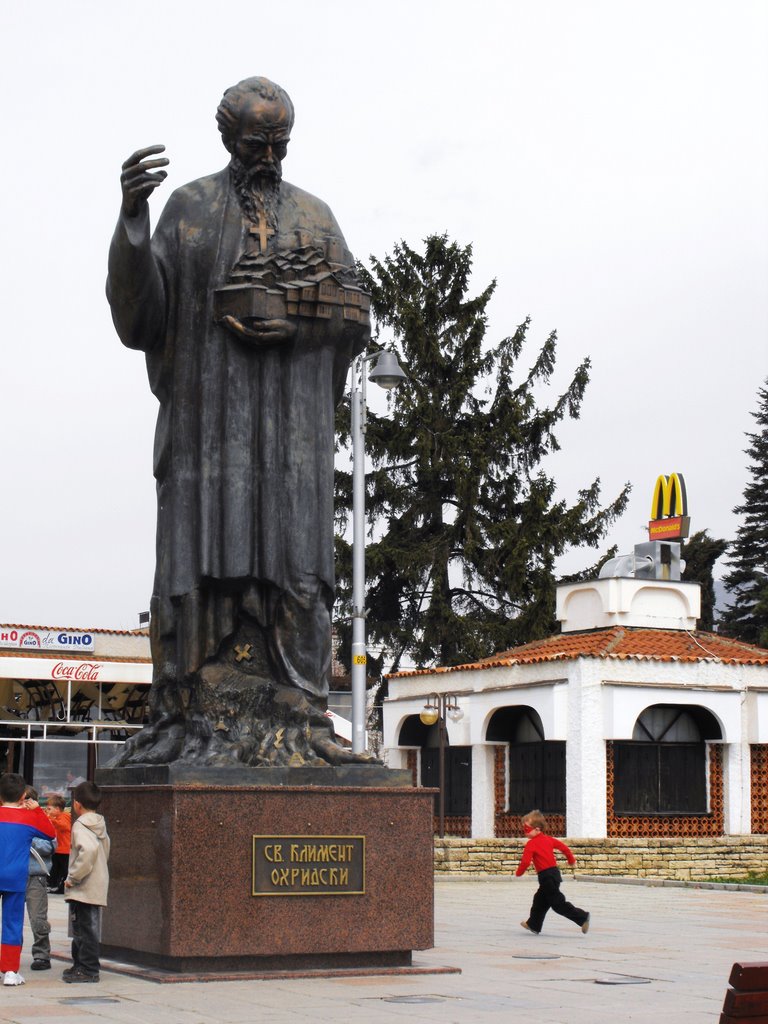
(465, 523)
(747, 582)
(701, 552)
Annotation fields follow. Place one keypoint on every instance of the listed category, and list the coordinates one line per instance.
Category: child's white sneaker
(13, 978)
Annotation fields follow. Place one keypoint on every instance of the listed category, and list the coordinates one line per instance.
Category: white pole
(359, 658)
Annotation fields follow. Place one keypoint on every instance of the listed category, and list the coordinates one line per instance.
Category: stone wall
(682, 859)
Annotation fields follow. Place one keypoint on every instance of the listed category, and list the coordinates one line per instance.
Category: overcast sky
(607, 160)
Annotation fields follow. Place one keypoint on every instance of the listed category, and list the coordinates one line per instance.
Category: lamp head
(429, 715)
(387, 372)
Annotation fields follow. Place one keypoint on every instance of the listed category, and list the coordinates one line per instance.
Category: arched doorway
(534, 768)
(667, 780)
(458, 772)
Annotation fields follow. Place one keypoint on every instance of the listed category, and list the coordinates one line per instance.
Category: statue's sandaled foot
(335, 753)
(158, 743)
(321, 735)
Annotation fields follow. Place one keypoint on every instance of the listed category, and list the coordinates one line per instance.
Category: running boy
(21, 821)
(87, 882)
(541, 849)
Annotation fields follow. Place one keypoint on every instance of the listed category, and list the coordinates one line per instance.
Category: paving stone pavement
(662, 955)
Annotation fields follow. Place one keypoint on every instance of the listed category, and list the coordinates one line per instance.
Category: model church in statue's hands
(303, 283)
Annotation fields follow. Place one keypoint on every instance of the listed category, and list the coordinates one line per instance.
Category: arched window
(663, 768)
(536, 765)
(458, 764)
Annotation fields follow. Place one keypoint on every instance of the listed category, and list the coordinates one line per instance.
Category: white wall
(586, 702)
(585, 752)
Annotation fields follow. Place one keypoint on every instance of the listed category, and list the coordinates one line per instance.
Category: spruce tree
(701, 552)
(465, 524)
(747, 582)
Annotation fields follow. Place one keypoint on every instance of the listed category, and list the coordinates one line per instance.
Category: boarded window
(660, 778)
(537, 777)
(458, 777)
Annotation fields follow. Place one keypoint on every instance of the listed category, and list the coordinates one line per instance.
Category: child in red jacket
(541, 849)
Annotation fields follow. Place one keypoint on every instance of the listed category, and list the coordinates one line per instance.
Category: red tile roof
(142, 630)
(619, 642)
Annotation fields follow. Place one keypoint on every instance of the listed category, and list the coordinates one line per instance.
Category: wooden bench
(746, 1002)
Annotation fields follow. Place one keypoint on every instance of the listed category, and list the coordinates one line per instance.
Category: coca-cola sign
(77, 671)
(22, 638)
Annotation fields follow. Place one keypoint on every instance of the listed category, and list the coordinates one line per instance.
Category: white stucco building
(628, 723)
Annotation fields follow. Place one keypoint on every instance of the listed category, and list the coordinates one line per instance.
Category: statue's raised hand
(139, 179)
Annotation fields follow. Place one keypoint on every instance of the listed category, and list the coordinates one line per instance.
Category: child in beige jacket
(87, 882)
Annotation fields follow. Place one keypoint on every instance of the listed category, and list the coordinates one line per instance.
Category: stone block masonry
(685, 859)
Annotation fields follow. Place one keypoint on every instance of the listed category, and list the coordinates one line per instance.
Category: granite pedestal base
(182, 883)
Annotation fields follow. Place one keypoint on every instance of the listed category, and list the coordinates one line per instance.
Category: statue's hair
(230, 108)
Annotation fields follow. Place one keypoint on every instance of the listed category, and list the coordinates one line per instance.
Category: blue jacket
(45, 848)
(18, 827)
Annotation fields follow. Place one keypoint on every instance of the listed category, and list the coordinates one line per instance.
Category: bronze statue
(246, 304)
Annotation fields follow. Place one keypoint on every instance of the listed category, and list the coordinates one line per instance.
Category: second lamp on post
(387, 373)
(439, 707)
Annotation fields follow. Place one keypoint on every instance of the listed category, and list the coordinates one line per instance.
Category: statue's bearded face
(262, 142)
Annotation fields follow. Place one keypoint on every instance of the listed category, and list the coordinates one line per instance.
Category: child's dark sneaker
(585, 926)
(78, 976)
(40, 965)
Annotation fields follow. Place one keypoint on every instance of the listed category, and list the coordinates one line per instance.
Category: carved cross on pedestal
(243, 653)
(262, 231)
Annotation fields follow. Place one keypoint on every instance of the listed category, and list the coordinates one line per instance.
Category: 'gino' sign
(308, 865)
(669, 509)
(44, 639)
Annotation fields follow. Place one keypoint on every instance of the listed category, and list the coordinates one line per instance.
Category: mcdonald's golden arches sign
(669, 509)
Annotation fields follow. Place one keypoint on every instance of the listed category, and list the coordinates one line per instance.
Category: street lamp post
(387, 373)
(438, 706)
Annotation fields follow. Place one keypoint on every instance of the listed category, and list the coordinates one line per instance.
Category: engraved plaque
(308, 866)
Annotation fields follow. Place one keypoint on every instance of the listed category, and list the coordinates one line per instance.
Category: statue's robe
(243, 453)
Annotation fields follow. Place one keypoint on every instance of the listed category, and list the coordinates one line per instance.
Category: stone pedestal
(185, 896)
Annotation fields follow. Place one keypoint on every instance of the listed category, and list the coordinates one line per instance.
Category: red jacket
(541, 849)
(62, 822)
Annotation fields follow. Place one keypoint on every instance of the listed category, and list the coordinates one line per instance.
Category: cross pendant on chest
(262, 231)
